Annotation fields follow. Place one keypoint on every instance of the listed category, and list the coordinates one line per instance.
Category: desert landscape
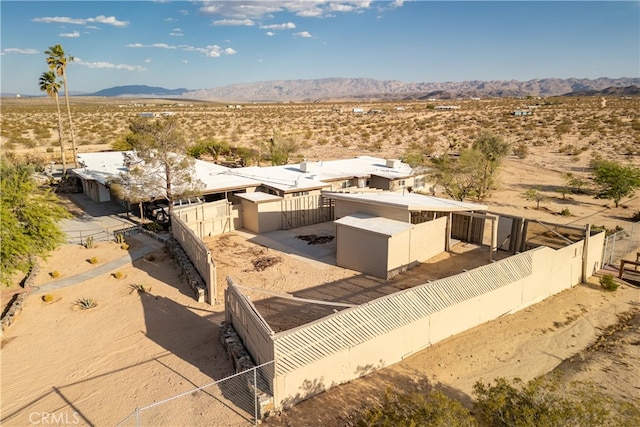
(147, 339)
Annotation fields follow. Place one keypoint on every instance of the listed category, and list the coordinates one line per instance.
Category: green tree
(493, 150)
(49, 84)
(535, 195)
(212, 148)
(575, 184)
(417, 154)
(280, 149)
(615, 181)
(57, 60)
(161, 167)
(29, 217)
(458, 177)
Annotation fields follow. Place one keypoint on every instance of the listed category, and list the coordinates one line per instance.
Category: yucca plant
(86, 303)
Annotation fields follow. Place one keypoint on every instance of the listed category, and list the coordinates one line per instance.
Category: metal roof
(307, 175)
(408, 201)
(374, 224)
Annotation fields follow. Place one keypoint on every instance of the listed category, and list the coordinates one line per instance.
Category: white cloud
(234, 22)
(304, 8)
(70, 35)
(109, 20)
(147, 61)
(285, 26)
(270, 33)
(100, 19)
(242, 10)
(156, 45)
(108, 65)
(212, 51)
(185, 61)
(176, 32)
(303, 34)
(10, 50)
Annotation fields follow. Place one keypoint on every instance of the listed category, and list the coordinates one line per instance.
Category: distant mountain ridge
(139, 90)
(365, 88)
(342, 89)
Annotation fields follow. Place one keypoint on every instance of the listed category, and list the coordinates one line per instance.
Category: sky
(206, 44)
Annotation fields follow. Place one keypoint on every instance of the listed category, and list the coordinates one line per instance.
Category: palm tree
(58, 61)
(51, 86)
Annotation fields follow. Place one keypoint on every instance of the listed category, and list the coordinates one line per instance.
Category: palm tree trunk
(64, 160)
(73, 137)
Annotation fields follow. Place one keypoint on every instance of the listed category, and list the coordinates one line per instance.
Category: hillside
(370, 89)
(139, 90)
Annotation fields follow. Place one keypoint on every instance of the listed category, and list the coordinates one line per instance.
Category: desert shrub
(565, 212)
(150, 257)
(521, 151)
(119, 238)
(89, 243)
(636, 216)
(118, 275)
(608, 231)
(93, 260)
(48, 298)
(541, 402)
(124, 246)
(86, 303)
(416, 409)
(608, 283)
(55, 274)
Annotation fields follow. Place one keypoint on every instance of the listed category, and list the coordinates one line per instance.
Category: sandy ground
(135, 349)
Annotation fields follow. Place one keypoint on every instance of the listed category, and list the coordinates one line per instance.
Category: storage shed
(384, 247)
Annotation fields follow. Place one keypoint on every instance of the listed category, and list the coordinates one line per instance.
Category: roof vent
(393, 163)
(306, 166)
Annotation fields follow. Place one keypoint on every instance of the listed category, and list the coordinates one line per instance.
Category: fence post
(255, 395)
(137, 411)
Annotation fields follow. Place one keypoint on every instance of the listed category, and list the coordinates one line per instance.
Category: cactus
(88, 243)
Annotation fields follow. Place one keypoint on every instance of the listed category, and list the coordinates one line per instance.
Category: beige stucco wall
(551, 272)
(428, 239)
(362, 251)
(269, 216)
(595, 254)
(249, 215)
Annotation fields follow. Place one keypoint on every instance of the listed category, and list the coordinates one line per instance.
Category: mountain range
(344, 89)
(370, 89)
